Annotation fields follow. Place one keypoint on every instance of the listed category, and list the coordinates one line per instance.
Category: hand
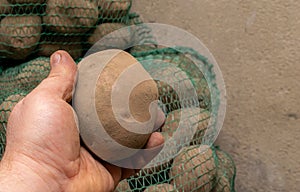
(43, 151)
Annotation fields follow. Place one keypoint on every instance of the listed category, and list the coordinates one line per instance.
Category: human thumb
(62, 77)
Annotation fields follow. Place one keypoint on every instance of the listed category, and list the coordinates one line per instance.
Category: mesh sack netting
(185, 168)
(31, 30)
(211, 170)
(40, 27)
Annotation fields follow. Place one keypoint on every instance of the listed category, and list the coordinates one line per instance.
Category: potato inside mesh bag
(70, 16)
(225, 173)
(19, 35)
(6, 108)
(4, 7)
(111, 36)
(25, 1)
(24, 77)
(123, 186)
(51, 43)
(113, 9)
(194, 169)
(164, 187)
(195, 122)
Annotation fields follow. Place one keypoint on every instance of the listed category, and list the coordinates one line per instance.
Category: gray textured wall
(257, 46)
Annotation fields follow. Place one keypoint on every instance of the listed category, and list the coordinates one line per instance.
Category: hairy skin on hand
(43, 151)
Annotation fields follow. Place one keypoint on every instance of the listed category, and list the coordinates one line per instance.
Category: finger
(116, 172)
(144, 156)
(62, 77)
(155, 140)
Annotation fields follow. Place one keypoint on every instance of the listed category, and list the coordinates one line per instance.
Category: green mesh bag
(17, 77)
(179, 57)
(40, 27)
(23, 78)
(208, 170)
(226, 172)
(31, 30)
(188, 168)
(5, 109)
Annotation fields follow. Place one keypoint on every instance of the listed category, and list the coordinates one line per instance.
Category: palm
(43, 136)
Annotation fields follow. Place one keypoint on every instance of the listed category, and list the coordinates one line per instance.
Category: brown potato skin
(50, 44)
(6, 108)
(4, 7)
(165, 187)
(20, 35)
(113, 9)
(49, 49)
(202, 121)
(118, 39)
(143, 48)
(140, 98)
(194, 171)
(225, 172)
(24, 77)
(123, 186)
(222, 185)
(70, 16)
(168, 96)
(25, 1)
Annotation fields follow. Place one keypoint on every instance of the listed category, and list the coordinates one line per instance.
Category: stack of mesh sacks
(39, 27)
(31, 30)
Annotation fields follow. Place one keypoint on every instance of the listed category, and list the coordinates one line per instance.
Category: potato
(3, 53)
(70, 16)
(111, 97)
(123, 186)
(155, 172)
(25, 1)
(148, 177)
(197, 118)
(103, 30)
(6, 108)
(32, 73)
(24, 77)
(192, 78)
(194, 170)
(225, 172)
(113, 9)
(119, 39)
(176, 90)
(160, 188)
(160, 167)
(4, 7)
(168, 96)
(222, 185)
(28, 7)
(143, 48)
(20, 35)
(225, 163)
(139, 101)
(50, 44)
(48, 49)
(200, 83)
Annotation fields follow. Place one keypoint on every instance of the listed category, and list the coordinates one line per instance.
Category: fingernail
(56, 58)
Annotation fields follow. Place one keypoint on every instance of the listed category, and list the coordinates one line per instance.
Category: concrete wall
(257, 46)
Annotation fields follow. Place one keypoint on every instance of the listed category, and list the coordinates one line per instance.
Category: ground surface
(257, 46)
